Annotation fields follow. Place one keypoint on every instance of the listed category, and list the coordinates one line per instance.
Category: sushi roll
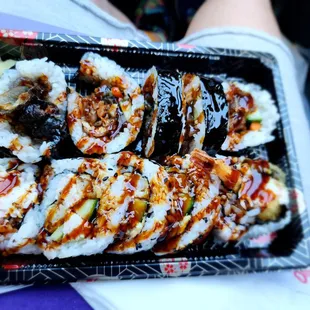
(193, 118)
(254, 198)
(195, 205)
(145, 219)
(78, 214)
(215, 106)
(252, 116)
(170, 120)
(18, 196)
(32, 108)
(150, 92)
(111, 117)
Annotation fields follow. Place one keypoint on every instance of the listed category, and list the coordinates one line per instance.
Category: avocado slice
(188, 203)
(272, 212)
(140, 207)
(87, 208)
(254, 117)
(58, 233)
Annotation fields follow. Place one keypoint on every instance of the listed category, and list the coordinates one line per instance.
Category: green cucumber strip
(254, 117)
(58, 233)
(87, 209)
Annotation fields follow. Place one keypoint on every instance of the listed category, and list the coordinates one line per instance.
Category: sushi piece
(111, 117)
(18, 196)
(145, 219)
(252, 116)
(215, 106)
(32, 108)
(169, 121)
(195, 205)
(150, 92)
(193, 119)
(81, 209)
(254, 198)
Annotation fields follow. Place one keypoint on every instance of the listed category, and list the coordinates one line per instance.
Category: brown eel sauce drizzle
(240, 105)
(255, 183)
(8, 183)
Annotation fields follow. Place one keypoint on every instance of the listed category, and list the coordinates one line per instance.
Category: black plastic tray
(288, 248)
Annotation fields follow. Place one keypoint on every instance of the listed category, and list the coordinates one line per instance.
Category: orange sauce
(85, 228)
(95, 148)
(254, 186)
(232, 179)
(81, 143)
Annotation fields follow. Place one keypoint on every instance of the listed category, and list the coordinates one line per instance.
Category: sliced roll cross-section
(32, 108)
(74, 209)
(194, 204)
(254, 198)
(193, 115)
(111, 117)
(252, 116)
(18, 196)
(148, 203)
(150, 92)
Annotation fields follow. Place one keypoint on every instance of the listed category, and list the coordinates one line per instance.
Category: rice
(201, 221)
(150, 121)
(145, 235)
(103, 68)
(130, 104)
(7, 80)
(246, 216)
(269, 114)
(20, 144)
(18, 234)
(70, 182)
(35, 68)
(192, 104)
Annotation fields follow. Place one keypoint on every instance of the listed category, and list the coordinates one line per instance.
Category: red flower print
(169, 269)
(6, 33)
(294, 208)
(183, 265)
(186, 46)
(294, 194)
(302, 275)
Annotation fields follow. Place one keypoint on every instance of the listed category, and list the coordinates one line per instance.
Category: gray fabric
(76, 15)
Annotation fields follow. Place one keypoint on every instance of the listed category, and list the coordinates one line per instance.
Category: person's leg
(256, 14)
(106, 6)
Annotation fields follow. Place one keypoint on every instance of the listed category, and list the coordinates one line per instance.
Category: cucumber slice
(140, 207)
(58, 233)
(254, 117)
(188, 204)
(87, 208)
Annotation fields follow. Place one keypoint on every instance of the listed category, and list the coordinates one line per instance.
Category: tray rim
(167, 267)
